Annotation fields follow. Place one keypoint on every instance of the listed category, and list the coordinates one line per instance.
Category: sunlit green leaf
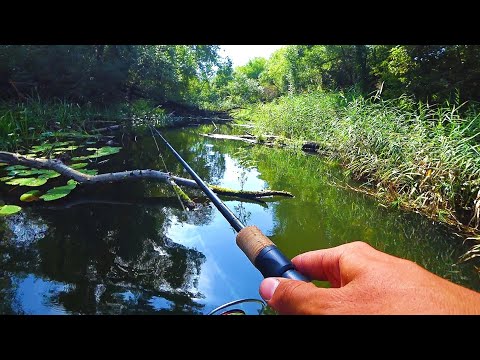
(16, 167)
(9, 209)
(88, 171)
(27, 181)
(59, 192)
(6, 178)
(78, 165)
(32, 195)
(3, 164)
(49, 146)
(104, 151)
(48, 174)
(28, 172)
(68, 148)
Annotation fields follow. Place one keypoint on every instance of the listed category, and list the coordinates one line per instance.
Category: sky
(240, 54)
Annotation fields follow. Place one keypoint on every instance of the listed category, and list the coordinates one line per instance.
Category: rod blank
(260, 250)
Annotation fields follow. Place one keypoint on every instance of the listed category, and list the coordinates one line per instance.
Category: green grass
(22, 123)
(416, 156)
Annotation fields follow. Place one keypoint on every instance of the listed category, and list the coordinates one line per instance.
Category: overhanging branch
(65, 170)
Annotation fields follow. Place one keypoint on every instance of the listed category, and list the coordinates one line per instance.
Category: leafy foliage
(432, 73)
(59, 191)
(9, 209)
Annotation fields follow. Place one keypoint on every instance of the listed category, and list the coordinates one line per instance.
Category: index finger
(324, 264)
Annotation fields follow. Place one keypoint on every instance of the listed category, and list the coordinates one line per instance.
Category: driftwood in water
(269, 140)
(65, 170)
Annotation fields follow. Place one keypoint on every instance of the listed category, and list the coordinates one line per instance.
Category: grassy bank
(25, 123)
(22, 123)
(411, 155)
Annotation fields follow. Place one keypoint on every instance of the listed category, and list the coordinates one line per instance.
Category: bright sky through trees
(240, 54)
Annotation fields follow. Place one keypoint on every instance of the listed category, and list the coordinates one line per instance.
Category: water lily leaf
(88, 171)
(17, 167)
(49, 146)
(104, 151)
(68, 148)
(9, 209)
(27, 181)
(3, 164)
(59, 191)
(48, 174)
(32, 195)
(28, 172)
(78, 165)
(6, 178)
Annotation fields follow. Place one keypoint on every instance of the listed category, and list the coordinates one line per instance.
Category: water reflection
(130, 248)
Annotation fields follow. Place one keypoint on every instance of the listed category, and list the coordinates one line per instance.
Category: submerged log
(65, 170)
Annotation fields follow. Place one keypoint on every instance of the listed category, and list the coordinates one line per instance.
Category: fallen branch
(247, 139)
(268, 140)
(108, 128)
(61, 168)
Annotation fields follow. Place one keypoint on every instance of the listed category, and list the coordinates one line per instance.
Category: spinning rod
(260, 250)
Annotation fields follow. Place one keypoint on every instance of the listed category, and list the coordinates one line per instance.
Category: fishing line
(165, 165)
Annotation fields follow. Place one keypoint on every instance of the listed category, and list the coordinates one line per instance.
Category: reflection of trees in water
(114, 259)
(325, 215)
(242, 213)
(206, 160)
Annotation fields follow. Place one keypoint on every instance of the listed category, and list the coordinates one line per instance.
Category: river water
(132, 249)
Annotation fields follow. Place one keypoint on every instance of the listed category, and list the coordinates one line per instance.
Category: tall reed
(415, 155)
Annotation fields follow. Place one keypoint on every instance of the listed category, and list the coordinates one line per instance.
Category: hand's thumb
(292, 296)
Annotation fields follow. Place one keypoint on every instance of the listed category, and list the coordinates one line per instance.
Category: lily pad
(78, 165)
(16, 167)
(9, 210)
(28, 172)
(27, 181)
(6, 178)
(49, 146)
(68, 148)
(88, 171)
(3, 164)
(59, 191)
(48, 174)
(32, 195)
(104, 151)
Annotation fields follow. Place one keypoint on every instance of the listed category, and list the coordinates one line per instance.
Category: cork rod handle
(266, 257)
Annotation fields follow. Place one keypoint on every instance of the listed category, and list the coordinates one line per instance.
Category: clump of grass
(417, 156)
(23, 122)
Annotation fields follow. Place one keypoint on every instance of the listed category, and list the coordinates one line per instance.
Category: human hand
(366, 281)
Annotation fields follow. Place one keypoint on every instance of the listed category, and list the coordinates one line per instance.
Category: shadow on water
(130, 248)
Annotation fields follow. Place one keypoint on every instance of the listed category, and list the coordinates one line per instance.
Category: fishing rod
(260, 250)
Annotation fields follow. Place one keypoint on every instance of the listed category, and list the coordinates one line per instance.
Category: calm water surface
(131, 249)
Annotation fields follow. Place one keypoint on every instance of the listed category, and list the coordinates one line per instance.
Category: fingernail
(267, 288)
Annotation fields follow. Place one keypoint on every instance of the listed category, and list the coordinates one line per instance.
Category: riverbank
(25, 123)
(410, 155)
